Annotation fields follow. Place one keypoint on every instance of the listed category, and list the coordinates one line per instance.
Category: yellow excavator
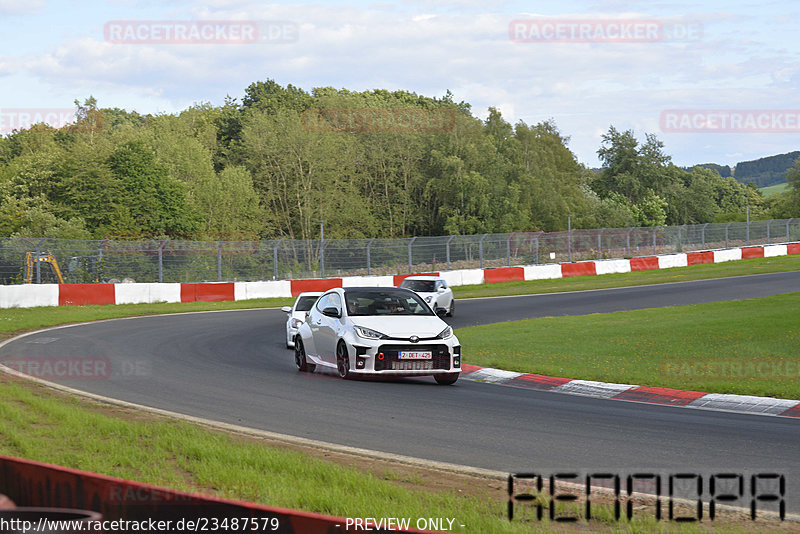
(30, 266)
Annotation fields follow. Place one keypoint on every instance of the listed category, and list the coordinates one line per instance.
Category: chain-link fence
(37, 260)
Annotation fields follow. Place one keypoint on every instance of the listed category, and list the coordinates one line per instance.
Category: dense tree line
(766, 171)
(255, 169)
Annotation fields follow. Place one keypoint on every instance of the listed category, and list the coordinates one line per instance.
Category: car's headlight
(368, 333)
(296, 323)
(446, 333)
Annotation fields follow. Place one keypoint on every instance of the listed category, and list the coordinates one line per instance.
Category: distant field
(774, 189)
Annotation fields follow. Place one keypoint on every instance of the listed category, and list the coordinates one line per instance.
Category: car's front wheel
(300, 358)
(446, 379)
(452, 311)
(342, 360)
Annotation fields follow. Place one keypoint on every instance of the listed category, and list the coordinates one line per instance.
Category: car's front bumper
(382, 357)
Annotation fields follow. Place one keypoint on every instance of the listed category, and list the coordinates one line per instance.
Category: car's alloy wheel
(342, 360)
(446, 379)
(300, 358)
(452, 311)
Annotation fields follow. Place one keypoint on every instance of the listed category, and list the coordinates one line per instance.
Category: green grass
(670, 347)
(774, 189)
(41, 425)
(677, 274)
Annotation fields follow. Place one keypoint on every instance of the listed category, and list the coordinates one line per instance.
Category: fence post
(99, 273)
(369, 262)
(219, 260)
(768, 223)
(39, 263)
(275, 258)
(447, 246)
(480, 248)
(726, 233)
(508, 249)
(787, 228)
(628, 241)
(410, 268)
(536, 237)
(600, 243)
(704, 235)
(161, 261)
(654, 240)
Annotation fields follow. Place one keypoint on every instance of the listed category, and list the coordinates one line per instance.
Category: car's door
(328, 329)
(314, 323)
(446, 298)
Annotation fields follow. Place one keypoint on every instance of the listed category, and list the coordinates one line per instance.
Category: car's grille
(441, 356)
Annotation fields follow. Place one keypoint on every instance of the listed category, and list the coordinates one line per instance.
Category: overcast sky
(706, 57)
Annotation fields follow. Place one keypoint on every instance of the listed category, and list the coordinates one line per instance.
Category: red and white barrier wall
(31, 295)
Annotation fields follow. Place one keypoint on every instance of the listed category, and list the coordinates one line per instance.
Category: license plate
(415, 355)
(416, 365)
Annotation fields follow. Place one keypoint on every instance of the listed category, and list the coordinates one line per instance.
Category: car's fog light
(457, 361)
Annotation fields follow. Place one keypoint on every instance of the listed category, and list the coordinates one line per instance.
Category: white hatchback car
(434, 290)
(297, 315)
(377, 331)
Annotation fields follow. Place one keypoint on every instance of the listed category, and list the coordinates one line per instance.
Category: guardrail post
(39, 263)
(410, 268)
(726, 233)
(480, 248)
(447, 247)
(219, 260)
(161, 261)
(369, 262)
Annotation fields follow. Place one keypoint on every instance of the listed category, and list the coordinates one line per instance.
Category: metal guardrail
(170, 260)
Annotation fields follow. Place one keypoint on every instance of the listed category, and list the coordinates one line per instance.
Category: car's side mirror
(331, 311)
(441, 312)
(287, 309)
(440, 290)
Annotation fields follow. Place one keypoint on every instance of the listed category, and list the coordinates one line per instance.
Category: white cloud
(584, 87)
(17, 7)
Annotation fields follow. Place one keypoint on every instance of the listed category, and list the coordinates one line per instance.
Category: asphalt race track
(233, 367)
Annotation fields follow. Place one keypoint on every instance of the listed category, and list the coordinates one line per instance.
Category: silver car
(434, 290)
(297, 315)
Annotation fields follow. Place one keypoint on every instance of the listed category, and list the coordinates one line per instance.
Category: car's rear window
(420, 286)
(363, 303)
(305, 303)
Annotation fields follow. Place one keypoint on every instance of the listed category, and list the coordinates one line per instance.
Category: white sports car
(297, 315)
(377, 331)
(434, 290)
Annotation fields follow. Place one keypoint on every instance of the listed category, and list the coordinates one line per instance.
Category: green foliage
(259, 169)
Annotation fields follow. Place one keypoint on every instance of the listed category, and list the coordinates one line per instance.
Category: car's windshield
(377, 302)
(420, 286)
(305, 303)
